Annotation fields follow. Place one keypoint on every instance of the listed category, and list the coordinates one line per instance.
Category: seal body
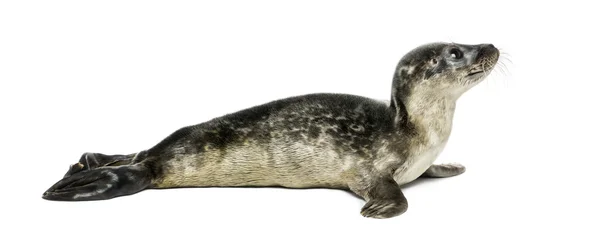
(318, 140)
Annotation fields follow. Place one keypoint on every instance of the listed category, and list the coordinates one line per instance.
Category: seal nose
(487, 46)
(487, 50)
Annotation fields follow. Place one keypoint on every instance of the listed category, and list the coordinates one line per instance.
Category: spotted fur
(318, 140)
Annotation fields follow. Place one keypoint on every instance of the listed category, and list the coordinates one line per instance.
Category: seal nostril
(486, 50)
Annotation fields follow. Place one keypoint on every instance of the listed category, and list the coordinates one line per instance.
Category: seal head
(444, 68)
(439, 70)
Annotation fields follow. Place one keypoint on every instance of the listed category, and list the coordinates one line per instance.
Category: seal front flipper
(90, 161)
(384, 200)
(101, 183)
(444, 170)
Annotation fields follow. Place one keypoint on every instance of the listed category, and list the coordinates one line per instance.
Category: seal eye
(455, 53)
(433, 61)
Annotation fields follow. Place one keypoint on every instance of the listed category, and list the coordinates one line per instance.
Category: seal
(318, 140)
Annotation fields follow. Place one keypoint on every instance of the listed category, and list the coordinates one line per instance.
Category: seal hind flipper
(444, 170)
(384, 200)
(90, 161)
(100, 183)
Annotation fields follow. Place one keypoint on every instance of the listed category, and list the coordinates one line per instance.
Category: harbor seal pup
(319, 140)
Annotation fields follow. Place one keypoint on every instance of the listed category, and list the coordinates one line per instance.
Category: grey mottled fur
(319, 140)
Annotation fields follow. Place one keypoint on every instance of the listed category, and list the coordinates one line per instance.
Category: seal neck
(397, 102)
(425, 111)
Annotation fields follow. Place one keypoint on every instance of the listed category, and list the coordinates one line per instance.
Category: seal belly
(416, 165)
(287, 164)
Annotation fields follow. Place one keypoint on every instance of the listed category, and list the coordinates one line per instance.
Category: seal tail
(101, 183)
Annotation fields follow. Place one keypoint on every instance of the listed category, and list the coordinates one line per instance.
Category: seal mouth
(475, 72)
(486, 60)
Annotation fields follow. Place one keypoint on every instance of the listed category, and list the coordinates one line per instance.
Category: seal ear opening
(433, 61)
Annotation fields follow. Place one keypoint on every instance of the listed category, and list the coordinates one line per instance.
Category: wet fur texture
(318, 140)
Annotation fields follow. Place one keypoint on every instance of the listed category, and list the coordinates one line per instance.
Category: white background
(118, 76)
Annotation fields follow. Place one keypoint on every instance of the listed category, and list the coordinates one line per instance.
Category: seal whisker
(498, 68)
(502, 64)
(506, 57)
(503, 67)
